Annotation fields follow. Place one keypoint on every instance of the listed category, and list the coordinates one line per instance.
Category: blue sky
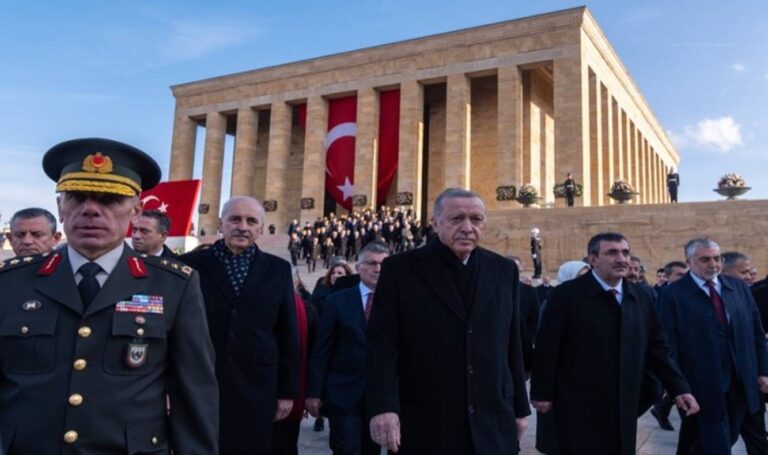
(80, 68)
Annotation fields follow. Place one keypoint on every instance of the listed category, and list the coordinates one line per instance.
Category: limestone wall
(656, 232)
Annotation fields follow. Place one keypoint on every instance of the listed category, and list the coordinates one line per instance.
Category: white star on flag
(346, 189)
(163, 207)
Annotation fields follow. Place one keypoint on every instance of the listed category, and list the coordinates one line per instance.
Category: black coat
(590, 357)
(337, 363)
(54, 349)
(529, 321)
(446, 373)
(256, 343)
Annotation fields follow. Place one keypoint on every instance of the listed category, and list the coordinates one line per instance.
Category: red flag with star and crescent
(340, 150)
(177, 200)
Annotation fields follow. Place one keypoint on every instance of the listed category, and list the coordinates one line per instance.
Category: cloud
(721, 134)
(190, 39)
(738, 67)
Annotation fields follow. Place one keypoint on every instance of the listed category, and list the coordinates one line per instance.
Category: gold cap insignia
(97, 163)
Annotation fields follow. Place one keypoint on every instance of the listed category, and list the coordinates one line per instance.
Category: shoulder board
(168, 264)
(19, 261)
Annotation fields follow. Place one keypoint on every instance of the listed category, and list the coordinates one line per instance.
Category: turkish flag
(340, 150)
(389, 142)
(175, 199)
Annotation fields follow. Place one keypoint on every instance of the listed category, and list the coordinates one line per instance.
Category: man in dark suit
(337, 364)
(570, 189)
(251, 312)
(33, 231)
(95, 337)
(148, 234)
(529, 317)
(717, 338)
(673, 181)
(599, 335)
(445, 367)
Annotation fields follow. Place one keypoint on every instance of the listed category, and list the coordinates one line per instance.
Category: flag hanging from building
(389, 142)
(177, 200)
(340, 150)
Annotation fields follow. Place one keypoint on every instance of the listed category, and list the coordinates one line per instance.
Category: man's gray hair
(452, 193)
(373, 247)
(731, 258)
(34, 212)
(694, 244)
(225, 207)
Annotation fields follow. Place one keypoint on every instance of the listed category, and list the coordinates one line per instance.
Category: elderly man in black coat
(599, 334)
(252, 318)
(445, 370)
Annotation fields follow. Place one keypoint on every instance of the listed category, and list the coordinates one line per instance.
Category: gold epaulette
(18, 261)
(168, 264)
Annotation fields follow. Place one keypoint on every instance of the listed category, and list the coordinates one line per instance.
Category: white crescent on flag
(150, 198)
(339, 131)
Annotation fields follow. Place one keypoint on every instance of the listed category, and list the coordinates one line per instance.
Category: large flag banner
(175, 199)
(389, 142)
(340, 150)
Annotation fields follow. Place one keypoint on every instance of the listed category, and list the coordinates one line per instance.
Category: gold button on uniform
(24, 330)
(80, 364)
(70, 437)
(75, 399)
(140, 332)
(84, 332)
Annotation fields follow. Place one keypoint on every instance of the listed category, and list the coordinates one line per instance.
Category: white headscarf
(570, 270)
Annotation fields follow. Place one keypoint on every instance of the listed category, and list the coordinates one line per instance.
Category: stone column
(636, 160)
(595, 139)
(244, 160)
(366, 145)
(213, 163)
(646, 170)
(277, 163)
(182, 148)
(618, 144)
(625, 148)
(509, 159)
(457, 131)
(313, 174)
(410, 164)
(571, 100)
(609, 169)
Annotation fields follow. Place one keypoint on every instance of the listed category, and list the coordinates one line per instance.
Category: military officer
(94, 337)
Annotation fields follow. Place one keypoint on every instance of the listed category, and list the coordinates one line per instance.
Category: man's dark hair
(673, 265)
(34, 212)
(636, 259)
(730, 258)
(593, 247)
(660, 270)
(163, 222)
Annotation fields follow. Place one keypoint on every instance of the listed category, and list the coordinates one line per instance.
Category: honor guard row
(96, 339)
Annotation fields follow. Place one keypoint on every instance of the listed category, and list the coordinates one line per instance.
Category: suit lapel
(727, 296)
(434, 273)
(120, 285)
(487, 280)
(256, 273)
(358, 307)
(215, 269)
(60, 285)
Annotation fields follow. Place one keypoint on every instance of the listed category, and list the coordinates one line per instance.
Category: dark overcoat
(589, 361)
(256, 343)
(454, 377)
(66, 370)
(689, 316)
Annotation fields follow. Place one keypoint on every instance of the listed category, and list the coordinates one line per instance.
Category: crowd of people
(415, 339)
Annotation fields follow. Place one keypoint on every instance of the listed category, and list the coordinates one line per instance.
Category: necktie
(717, 303)
(89, 286)
(368, 305)
(614, 293)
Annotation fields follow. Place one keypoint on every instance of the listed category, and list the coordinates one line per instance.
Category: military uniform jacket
(95, 381)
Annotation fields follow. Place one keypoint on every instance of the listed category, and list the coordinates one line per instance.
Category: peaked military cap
(98, 165)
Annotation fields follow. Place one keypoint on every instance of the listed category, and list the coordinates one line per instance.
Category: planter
(730, 192)
(622, 197)
(528, 201)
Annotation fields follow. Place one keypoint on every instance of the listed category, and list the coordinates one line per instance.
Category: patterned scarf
(236, 265)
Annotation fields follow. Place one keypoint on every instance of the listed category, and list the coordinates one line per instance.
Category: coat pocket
(147, 437)
(27, 344)
(136, 345)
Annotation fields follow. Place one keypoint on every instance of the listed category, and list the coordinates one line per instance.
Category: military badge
(97, 163)
(135, 355)
(137, 267)
(31, 305)
(50, 265)
(141, 304)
